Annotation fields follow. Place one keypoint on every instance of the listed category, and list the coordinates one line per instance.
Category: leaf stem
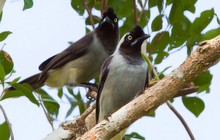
(7, 121)
(90, 14)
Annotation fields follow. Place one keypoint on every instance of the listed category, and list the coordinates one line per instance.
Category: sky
(45, 30)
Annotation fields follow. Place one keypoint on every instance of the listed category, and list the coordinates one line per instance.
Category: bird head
(131, 42)
(109, 19)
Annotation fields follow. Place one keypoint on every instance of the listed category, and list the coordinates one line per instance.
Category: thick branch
(206, 55)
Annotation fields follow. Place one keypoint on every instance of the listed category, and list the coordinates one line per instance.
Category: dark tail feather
(33, 81)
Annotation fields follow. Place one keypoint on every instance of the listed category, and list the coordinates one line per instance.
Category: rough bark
(206, 55)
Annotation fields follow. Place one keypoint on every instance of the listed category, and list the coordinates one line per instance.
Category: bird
(124, 75)
(82, 60)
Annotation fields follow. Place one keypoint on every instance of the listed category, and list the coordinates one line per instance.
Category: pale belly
(77, 71)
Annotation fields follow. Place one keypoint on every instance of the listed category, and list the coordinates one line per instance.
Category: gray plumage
(123, 75)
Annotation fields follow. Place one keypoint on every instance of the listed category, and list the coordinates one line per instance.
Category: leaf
(12, 94)
(27, 4)
(2, 74)
(60, 92)
(205, 18)
(161, 73)
(77, 5)
(160, 56)
(179, 7)
(50, 104)
(159, 43)
(194, 105)
(211, 34)
(179, 32)
(4, 35)
(27, 91)
(134, 135)
(4, 131)
(203, 81)
(157, 23)
(6, 62)
(73, 106)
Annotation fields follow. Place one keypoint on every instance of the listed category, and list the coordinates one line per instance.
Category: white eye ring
(115, 20)
(129, 37)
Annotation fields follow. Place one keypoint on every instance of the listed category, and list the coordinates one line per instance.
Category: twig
(7, 121)
(45, 112)
(135, 12)
(181, 119)
(104, 6)
(142, 10)
(90, 14)
(169, 104)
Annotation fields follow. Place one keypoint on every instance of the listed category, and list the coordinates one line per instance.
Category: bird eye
(115, 20)
(129, 37)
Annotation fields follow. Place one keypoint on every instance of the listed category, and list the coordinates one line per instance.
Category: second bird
(82, 61)
(123, 75)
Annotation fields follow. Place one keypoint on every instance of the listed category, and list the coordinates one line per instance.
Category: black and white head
(130, 44)
(109, 18)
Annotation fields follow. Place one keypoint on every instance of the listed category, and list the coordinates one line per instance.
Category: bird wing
(104, 73)
(75, 51)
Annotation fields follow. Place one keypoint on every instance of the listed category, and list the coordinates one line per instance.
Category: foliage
(170, 28)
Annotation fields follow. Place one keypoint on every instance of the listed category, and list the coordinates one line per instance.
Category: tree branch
(7, 121)
(104, 6)
(89, 13)
(169, 104)
(206, 55)
(135, 12)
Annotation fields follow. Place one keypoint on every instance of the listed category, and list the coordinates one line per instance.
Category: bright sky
(45, 29)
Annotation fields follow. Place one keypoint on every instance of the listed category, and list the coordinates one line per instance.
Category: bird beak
(108, 20)
(141, 39)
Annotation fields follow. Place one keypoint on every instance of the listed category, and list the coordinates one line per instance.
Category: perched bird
(123, 75)
(81, 61)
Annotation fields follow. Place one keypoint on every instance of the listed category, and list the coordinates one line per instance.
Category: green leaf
(4, 131)
(134, 135)
(197, 28)
(2, 74)
(160, 56)
(1, 16)
(205, 18)
(6, 62)
(73, 106)
(50, 104)
(203, 81)
(179, 32)
(27, 91)
(60, 92)
(179, 7)
(157, 23)
(194, 105)
(12, 94)
(218, 21)
(4, 35)
(161, 73)
(211, 34)
(27, 4)
(77, 5)
(159, 42)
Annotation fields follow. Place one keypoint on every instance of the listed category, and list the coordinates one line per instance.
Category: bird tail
(33, 81)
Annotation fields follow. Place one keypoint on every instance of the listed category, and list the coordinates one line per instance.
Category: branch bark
(206, 55)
